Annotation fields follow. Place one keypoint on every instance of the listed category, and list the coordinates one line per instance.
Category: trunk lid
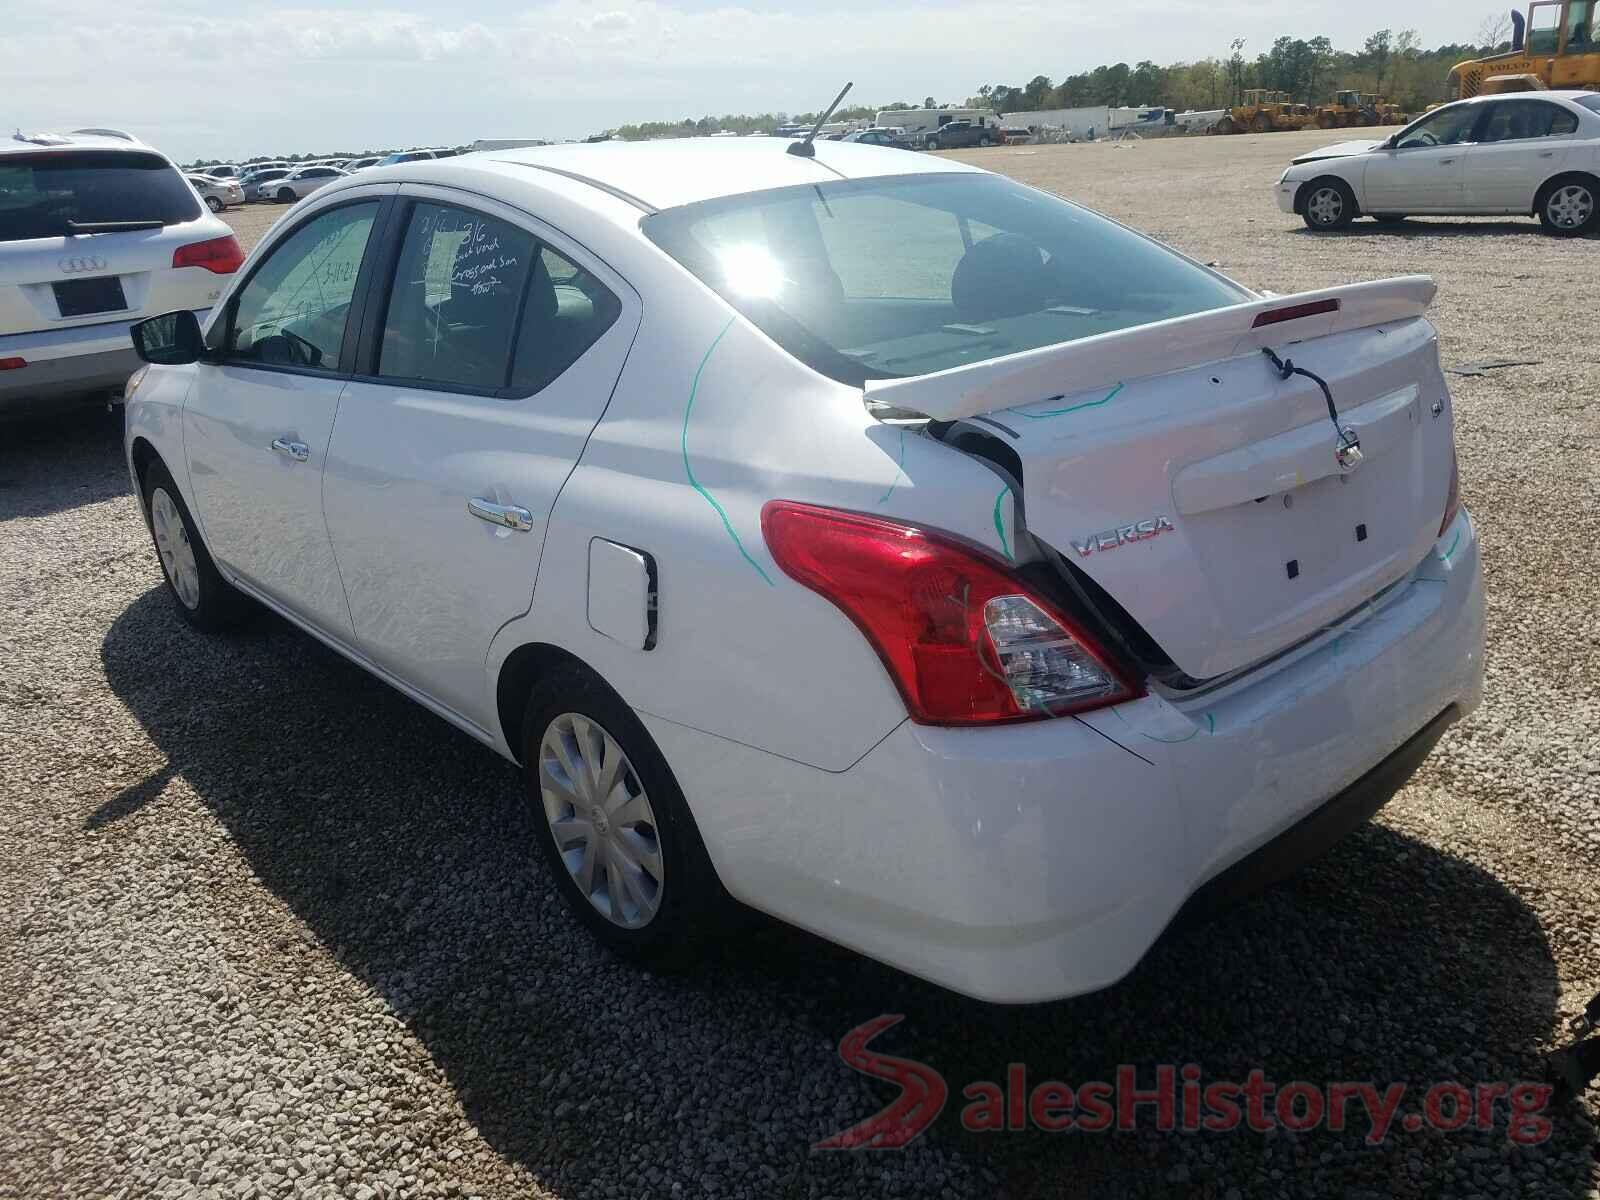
(1173, 465)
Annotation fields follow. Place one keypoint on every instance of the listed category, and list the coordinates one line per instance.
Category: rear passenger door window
(480, 305)
(453, 307)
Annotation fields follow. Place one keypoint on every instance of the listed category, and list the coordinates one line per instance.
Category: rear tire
(985, 141)
(1329, 204)
(1569, 205)
(634, 835)
(214, 204)
(202, 596)
(1262, 123)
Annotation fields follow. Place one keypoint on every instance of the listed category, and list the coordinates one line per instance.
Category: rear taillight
(221, 256)
(12, 364)
(965, 640)
(1452, 501)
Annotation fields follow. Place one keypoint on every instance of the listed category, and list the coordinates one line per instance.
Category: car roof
(675, 172)
(33, 143)
(1549, 94)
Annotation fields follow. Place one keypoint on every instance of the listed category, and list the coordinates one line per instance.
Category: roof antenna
(804, 148)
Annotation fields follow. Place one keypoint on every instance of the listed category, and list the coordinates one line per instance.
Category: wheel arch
(1558, 178)
(1304, 191)
(142, 453)
(521, 674)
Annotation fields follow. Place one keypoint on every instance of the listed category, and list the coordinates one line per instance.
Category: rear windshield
(41, 193)
(884, 278)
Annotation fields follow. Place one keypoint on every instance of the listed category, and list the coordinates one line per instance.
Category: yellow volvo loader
(1556, 46)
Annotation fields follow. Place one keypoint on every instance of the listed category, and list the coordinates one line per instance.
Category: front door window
(294, 310)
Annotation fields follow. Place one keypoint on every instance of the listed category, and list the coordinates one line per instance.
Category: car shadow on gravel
(58, 462)
(1416, 227)
(404, 848)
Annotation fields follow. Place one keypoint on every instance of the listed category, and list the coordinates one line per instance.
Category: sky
(220, 80)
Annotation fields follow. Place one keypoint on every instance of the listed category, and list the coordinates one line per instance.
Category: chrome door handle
(509, 515)
(298, 451)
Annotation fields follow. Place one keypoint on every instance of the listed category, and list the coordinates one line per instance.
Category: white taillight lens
(1046, 668)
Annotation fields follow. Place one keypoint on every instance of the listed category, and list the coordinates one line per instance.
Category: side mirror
(171, 339)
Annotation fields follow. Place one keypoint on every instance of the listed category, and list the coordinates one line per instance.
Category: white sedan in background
(218, 194)
(1531, 153)
(666, 470)
(297, 185)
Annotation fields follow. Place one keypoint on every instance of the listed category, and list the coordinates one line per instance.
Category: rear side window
(48, 195)
(884, 278)
(1592, 103)
(1515, 120)
(453, 307)
(294, 310)
(480, 304)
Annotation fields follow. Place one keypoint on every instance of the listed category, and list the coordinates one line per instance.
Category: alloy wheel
(1570, 207)
(1325, 206)
(600, 817)
(174, 549)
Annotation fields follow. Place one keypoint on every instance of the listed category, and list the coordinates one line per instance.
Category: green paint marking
(1061, 412)
(1445, 557)
(689, 471)
(1000, 525)
(899, 470)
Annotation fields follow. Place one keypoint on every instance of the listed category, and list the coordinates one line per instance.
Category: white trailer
(926, 120)
(1094, 121)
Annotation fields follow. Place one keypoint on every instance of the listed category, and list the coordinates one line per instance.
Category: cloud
(279, 77)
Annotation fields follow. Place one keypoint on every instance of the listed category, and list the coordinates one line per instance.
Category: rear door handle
(509, 515)
(1447, 162)
(298, 451)
(1547, 154)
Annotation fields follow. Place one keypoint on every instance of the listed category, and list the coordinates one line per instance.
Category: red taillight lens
(1452, 502)
(12, 364)
(966, 641)
(221, 256)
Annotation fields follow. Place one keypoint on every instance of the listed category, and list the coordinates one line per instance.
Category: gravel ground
(267, 929)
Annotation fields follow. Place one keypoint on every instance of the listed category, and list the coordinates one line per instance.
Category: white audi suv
(96, 231)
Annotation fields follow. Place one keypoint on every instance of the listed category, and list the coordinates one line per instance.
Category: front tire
(613, 826)
(202, 596)
(1261, 123)
(1329, 204)
(285, 196)
(1570, 205)
(985, 141)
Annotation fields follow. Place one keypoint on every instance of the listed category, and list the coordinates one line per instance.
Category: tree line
(1391, 63)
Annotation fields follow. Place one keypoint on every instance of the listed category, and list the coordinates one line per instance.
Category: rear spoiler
(1143, 351)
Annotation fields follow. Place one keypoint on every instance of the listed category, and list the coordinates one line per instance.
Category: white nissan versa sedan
(907, 553)
(1529, 154)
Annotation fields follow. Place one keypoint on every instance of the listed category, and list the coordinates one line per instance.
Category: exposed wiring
(1287, 369)
(1000, 526)
(1061, 412)
(900, 468)
(689, 471)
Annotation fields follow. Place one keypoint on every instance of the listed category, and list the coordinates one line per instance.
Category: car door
(490, 349)
(1423, 168)
(1524, 142)
(260, 411)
